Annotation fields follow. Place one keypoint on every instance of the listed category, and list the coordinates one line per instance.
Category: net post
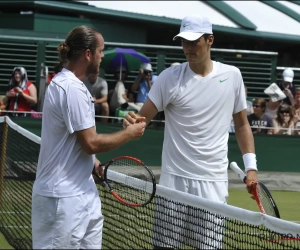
(3, 157)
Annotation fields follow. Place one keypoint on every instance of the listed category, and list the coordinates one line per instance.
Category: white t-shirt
(198, 111)
(64, 169)
(117, 96)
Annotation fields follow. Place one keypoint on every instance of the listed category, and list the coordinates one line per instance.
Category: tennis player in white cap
(199, 98)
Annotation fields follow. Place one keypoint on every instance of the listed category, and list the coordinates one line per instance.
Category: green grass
(123, 225)
(288, 202)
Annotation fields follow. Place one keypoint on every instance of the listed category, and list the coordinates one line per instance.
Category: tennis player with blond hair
(199, 98)
(66, 208)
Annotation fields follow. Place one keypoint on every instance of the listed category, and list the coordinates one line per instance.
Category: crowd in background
(278, 115)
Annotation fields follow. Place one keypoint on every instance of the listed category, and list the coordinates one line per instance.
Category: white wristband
(250, 162)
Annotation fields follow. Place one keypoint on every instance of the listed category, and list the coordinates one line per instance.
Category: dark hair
(57, 68)
(262, 102)
(206, 36)
(288, 108)
(78, 40)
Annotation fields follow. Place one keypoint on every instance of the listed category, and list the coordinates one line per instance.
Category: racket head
(264, 199)
(130, 181)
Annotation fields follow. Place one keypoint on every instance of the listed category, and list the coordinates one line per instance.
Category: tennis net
(173, 219)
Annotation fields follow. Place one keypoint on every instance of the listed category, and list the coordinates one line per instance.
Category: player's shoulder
(174, 72)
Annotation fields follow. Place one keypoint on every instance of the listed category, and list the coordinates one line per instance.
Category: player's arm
(246, 144)
(93, 143)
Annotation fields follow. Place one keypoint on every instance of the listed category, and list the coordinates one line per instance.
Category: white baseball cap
(146, 66)
(193, 27)
(288, 75)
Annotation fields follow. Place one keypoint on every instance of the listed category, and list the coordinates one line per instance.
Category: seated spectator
(297, 106)
(98, 89)
(21, 93)
(284, 122)
(297, 128)
(260, 123)
(121, 97)
(143, 83)
(287, 86)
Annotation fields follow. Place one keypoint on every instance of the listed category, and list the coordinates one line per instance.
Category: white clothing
(198, 111)
(67, 223)
(64, 169)
(117, 97)
(176, 225)
(271, 113)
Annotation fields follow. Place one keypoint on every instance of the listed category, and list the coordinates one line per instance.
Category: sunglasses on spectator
(256, 106)
(284, 112)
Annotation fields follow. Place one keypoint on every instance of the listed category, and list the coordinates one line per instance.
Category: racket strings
(265, 200)
(134, 183)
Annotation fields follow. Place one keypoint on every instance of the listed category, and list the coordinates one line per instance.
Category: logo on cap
(185, 25)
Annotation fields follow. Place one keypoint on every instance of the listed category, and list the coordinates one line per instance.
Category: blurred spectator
(297, 106)
(260, 123)
(143, 83)
(297, 128)
(287, 86)
(98, 89)
(120, 94)
(272, 107)
(284, 122)
(57, 68)
(21, 93)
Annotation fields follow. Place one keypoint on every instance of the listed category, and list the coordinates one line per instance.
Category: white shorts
(176, 226)
(67, 223)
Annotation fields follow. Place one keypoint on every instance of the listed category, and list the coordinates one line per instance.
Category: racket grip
(238, 171)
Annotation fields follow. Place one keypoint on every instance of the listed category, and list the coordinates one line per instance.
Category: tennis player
(66, 208)
(199, 99)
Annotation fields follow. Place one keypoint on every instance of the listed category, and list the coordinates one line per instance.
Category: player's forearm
(107, 142)
(245, 139)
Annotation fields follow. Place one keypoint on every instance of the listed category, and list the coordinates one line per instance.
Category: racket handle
(238, 171)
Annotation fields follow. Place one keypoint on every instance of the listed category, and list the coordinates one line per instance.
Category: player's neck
(202, 68)
(77, 69)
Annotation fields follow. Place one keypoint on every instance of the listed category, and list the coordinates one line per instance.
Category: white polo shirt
(64, 169)
(198, 111)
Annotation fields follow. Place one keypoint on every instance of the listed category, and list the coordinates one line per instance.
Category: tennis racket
(260, 193)
(129, 180)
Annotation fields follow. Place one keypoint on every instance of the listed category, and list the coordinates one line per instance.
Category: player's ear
(210, 40)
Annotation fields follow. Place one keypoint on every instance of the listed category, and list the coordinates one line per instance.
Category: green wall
(16, 21)
(274, 153)
(112, 31)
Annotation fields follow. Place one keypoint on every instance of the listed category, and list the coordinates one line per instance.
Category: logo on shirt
(224, 80)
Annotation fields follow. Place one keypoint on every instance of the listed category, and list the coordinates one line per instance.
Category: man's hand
(136, 130)
(99, 169)
(251, 178)
(132, 118)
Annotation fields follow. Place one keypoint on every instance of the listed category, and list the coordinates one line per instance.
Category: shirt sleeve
(104, 90)
(164, 90)
(240, 97)
(78, 109)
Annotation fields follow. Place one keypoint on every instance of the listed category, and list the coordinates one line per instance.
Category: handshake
(135, 125)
